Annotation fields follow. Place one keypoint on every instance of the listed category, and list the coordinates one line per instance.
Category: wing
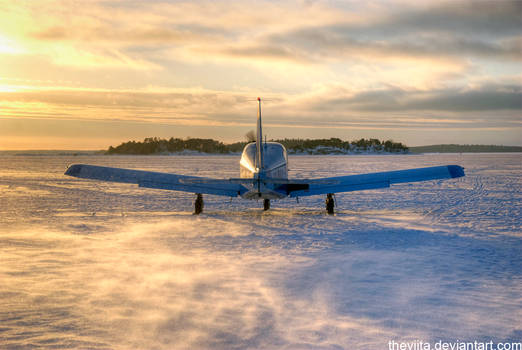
(152, 179)
(375, 180)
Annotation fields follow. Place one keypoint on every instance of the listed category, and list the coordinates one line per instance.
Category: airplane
(263, 174)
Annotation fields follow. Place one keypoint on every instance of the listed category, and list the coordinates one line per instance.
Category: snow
(87, 264)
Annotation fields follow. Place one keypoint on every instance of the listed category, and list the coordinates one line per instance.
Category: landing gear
(198, 204)
(266, 204)
(330, 203)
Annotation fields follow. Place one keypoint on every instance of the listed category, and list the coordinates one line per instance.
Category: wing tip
(456, 171)
(74, 170)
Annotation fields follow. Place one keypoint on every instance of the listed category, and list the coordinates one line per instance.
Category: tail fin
(259, 138)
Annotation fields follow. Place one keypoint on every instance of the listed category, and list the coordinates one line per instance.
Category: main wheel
(330, 203)
(198, 204)
(266, 204)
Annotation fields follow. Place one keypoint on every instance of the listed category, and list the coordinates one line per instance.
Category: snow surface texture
(87, 264)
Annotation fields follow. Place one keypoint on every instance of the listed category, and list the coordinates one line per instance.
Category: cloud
(485, 98)
(336, 45)
(453, 31)
(459, 30)
(460, 18)
(313, 32)
(492, 108)
(155, 35)
(319, 36)
(181, 107)
(267, 52)
(219, 103)
(329, 64)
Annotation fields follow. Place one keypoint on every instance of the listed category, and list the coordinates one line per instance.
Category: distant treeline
(154, 145)
(335, 144)
(464, 149)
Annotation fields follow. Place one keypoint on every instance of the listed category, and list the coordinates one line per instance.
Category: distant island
(452, 148)
(154, 145)
(193, 146)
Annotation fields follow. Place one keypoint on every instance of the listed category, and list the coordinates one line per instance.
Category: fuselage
(272, 164)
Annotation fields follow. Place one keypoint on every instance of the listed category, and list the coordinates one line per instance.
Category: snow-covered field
(111, 266)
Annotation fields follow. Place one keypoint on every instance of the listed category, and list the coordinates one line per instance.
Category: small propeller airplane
(263, 175)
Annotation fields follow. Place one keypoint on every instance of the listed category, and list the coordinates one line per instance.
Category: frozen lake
(87, 264)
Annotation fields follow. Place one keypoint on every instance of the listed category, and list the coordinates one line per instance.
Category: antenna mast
(259, 139)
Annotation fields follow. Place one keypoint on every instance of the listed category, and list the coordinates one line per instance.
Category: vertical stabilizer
(259, 138)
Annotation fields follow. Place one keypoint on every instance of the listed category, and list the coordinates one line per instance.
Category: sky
(90, 74)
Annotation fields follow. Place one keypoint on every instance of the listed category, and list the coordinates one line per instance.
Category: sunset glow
(86, 75)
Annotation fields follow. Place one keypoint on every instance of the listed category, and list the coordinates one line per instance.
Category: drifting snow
(100, 265)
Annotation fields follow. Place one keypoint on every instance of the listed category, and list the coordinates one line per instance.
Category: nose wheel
(198, 204)
(330, 203)
(266, 204)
